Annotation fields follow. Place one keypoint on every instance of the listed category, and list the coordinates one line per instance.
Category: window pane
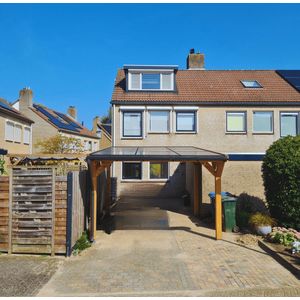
(26, 135)
(262, 121)
(135, 81)
(288, 124)
(132, 170)
(132, 124)
(159, 121)
(166, 81)
(185, 121)
(18, 133)
(236, 122)
(9, 131)
(150, 81)
(158, 170)
(251, 84)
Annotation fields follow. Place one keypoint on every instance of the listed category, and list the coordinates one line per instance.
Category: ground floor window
(132, 170)
(159, 170)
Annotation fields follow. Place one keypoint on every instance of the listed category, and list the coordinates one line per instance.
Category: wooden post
(93, 223)
(10, 211)
(108, 191)
(196, 190)
(218, 201)
(218, 208)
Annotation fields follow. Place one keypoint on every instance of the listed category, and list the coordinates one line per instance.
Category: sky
(68, 54)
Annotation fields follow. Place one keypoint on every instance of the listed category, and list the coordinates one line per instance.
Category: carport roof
(158, 153)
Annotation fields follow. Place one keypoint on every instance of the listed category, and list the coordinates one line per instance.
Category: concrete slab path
(158, 249)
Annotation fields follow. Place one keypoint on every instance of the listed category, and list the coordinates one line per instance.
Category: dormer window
(150, 78)
(251, 84)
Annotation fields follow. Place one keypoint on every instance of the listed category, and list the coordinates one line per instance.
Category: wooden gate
(32, 215)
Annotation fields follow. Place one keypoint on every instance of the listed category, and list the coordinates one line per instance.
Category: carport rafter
(214, 162)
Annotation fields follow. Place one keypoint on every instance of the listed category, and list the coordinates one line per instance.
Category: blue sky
(69, 53)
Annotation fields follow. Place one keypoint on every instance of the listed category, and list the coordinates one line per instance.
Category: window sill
(132, 138)
(263, 133)
(186, 132)
(157, 132)
(131, 180)
(236, 132)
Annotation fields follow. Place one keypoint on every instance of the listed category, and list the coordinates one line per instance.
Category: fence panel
(60, 214)
(4, 212)
(32, 206)
(77, 201)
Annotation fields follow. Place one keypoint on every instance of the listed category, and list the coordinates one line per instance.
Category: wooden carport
(213, 161)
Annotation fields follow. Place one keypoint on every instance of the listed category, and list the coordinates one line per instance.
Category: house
(103, 131)
(49, 122)
(15, 130)
(236, 112)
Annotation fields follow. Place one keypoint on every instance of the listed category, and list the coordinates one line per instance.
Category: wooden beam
(108, 191)
(209, 167)
(196, 190)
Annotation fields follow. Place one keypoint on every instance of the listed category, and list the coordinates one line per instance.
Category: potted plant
(262, 223)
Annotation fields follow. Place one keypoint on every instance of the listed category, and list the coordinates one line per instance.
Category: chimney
(96, 121)
(195, 61)
(25, 98)
(72, 111)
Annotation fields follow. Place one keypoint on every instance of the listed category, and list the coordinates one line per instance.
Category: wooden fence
(4, 212)
(41, 212)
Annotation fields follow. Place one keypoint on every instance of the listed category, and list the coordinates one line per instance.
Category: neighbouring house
(15, 130)
(103, 131)
(236, 112)
(49, 122)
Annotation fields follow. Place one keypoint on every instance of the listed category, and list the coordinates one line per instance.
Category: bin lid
(228, 199)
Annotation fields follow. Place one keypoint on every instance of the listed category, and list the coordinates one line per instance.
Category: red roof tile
(209, 86)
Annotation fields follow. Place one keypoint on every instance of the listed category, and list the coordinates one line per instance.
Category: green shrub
(82, 243)
(259, 219)
(247, 205)
(281, 175)
(2, 166)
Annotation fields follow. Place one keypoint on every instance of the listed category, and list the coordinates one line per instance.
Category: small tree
(2, 166)
(107, 118)
(281, 175)
(60, 144)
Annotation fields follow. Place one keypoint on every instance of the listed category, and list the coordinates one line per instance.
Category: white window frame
(272, 122)
(236, 131)
(7, 138)
(141, 72)
(158, 179)
(149, 120)
(244, 83)
(24, 130)
(133, 179)
(294, 113)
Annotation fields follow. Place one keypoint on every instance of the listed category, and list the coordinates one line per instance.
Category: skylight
(251, 84)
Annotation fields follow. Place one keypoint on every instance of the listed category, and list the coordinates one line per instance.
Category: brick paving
(166, 253)
(25, 275)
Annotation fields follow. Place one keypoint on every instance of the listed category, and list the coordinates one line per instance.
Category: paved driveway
(160, 252)
(24, 275)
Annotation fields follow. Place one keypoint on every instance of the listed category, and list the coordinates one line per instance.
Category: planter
(263, 230)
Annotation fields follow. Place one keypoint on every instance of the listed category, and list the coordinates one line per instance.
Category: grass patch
(82, 243)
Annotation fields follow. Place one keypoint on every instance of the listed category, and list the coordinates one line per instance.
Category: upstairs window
(132, 124)
(185, 121)
(159, 121)
(151, 81)
(236, 122)
(289, 123)
(9, 131)
(27, 133)
(262, 122)
(251, 84)
(18, 133)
